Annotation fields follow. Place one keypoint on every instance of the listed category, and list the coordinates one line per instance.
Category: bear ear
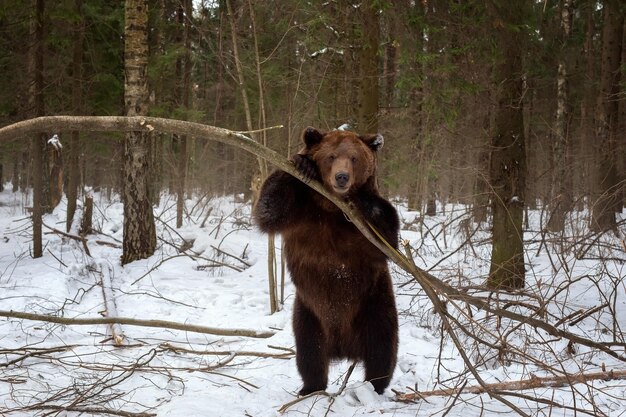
(312, 136)
(374, 141)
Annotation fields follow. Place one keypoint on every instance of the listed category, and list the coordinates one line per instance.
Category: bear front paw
(306, 167)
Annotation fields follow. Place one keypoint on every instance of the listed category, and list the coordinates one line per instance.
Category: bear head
(346, 160)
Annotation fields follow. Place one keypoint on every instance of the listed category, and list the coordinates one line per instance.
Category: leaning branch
(138, 322)
(433, 286)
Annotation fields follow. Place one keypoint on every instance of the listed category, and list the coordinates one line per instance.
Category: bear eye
(354, 159)
(332, 158)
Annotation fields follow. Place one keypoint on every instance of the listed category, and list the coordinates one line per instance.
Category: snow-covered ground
(221, 281)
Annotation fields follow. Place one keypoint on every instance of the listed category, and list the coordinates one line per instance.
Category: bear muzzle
(342, 180)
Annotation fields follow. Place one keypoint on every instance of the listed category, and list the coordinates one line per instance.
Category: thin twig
(332, 396)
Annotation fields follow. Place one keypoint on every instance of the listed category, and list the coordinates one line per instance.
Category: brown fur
(344, 307)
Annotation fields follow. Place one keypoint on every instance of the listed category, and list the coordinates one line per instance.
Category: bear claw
(306, 167)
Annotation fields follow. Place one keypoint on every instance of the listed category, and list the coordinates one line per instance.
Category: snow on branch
(327, 50)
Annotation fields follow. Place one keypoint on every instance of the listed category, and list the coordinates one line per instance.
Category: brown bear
(344, 305)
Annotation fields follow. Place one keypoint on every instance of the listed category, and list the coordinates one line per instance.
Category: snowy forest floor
(216, 275)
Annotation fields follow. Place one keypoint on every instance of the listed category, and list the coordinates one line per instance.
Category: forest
(135, 136)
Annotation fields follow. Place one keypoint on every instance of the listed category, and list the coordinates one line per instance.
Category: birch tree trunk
(77, 87)
(508, 153)
(184, 15)
(139, 228)
(559, 194)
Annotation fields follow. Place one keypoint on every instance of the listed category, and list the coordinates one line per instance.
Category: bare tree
(139, 228)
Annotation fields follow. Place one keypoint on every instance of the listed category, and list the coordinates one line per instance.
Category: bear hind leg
(381, 341)
(311, 349)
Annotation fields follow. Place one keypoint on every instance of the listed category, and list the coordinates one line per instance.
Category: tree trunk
(15, 177)
(606, 121)
(416, 147)
(508, 158)
(586, 149)
(271, 238)
(77, 88)
(55, 160)
(184, 19)
(87, 220)
(368, 63)
(39, 139)
(560, 196)
(139, 228)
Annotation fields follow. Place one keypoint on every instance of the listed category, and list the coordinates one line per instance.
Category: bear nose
(342, 179)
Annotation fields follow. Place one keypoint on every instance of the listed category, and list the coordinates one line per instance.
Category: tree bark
(139, 229)
(184, 19)
(508, 156)
(417, 147)
(54, 153)
(37, 109)
(606, 120)
(77, 86)
(559, 194)
(368, 64)
(15, 177)
(87, 220)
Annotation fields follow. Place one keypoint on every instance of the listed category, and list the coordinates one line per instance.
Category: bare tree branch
(92, 410)
(524, 384)
(138, 322)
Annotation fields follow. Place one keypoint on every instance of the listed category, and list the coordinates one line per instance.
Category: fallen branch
(177, 349)
(31, 352)
(110, 308)
(530, 383)
(109, 244)
(91, 410)
(71, 236)
(138, 322)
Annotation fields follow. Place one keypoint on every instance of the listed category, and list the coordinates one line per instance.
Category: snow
(182, 373)
(378, 141)
(326, 50)
(55, 142)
